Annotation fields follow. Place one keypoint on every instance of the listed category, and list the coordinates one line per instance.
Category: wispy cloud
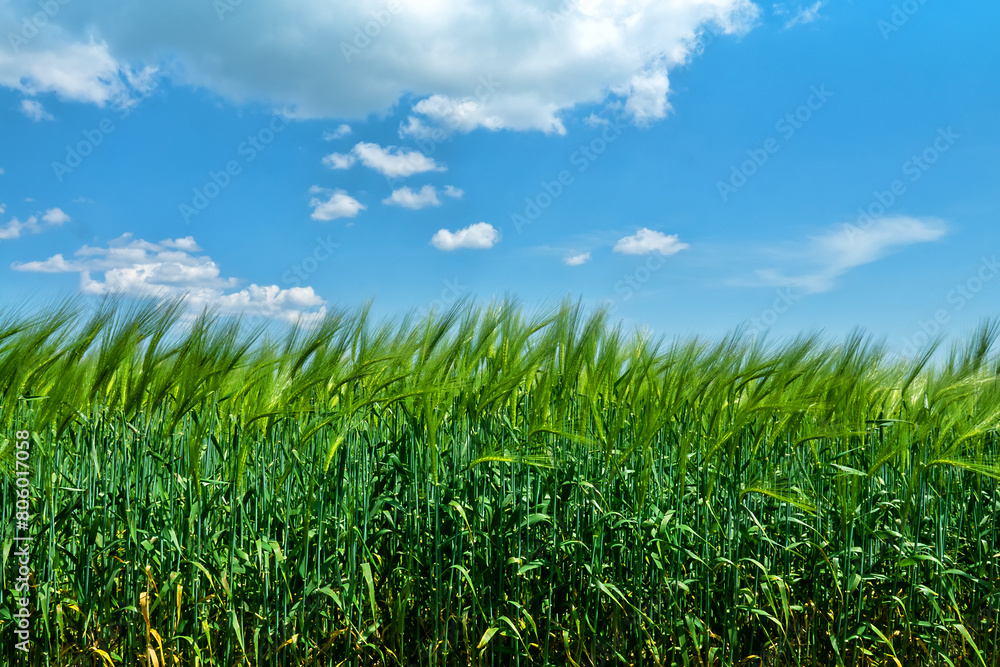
(831, 255)
(577, 260)
(34, 110)
(339, 161)
(342, 131)
(802, 15)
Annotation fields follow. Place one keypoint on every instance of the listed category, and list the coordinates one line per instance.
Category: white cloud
(646, 241)
(407, 198)
(548, 62)
(55, 216)
(15, 229)
(170, 269)
(647, 96)
(74, 70)
(394, 162)
(466, 114)
(339, 161)
(187, 244)
(481, 235)
(342, 131)
(802, 16)
(425, 196)
(577, 260)
(390, 161)
(833, 254)
(593, 120)
(34, 110)
(333, 204)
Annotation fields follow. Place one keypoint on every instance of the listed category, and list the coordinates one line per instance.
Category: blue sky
(696, 167)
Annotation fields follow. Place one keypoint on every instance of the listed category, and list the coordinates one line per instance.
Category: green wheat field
(495, 486)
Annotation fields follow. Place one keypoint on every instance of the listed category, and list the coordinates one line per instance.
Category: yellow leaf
(104, 656)
(159, 642)
(144, 607)
(487, 636)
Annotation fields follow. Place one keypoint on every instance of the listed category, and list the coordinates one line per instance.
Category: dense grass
(485, 487)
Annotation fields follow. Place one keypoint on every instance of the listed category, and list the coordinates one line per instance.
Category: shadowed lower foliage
(487, 487)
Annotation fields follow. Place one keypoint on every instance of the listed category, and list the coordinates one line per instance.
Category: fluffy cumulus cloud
(646, 95)
(481, 235)
(332, 204)
(817, 264)
(175, 268)
(390, 161)
(54, 217)
(646, 241)
(407, 198)
(516, 65)
(577, 260)
(417, 199)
